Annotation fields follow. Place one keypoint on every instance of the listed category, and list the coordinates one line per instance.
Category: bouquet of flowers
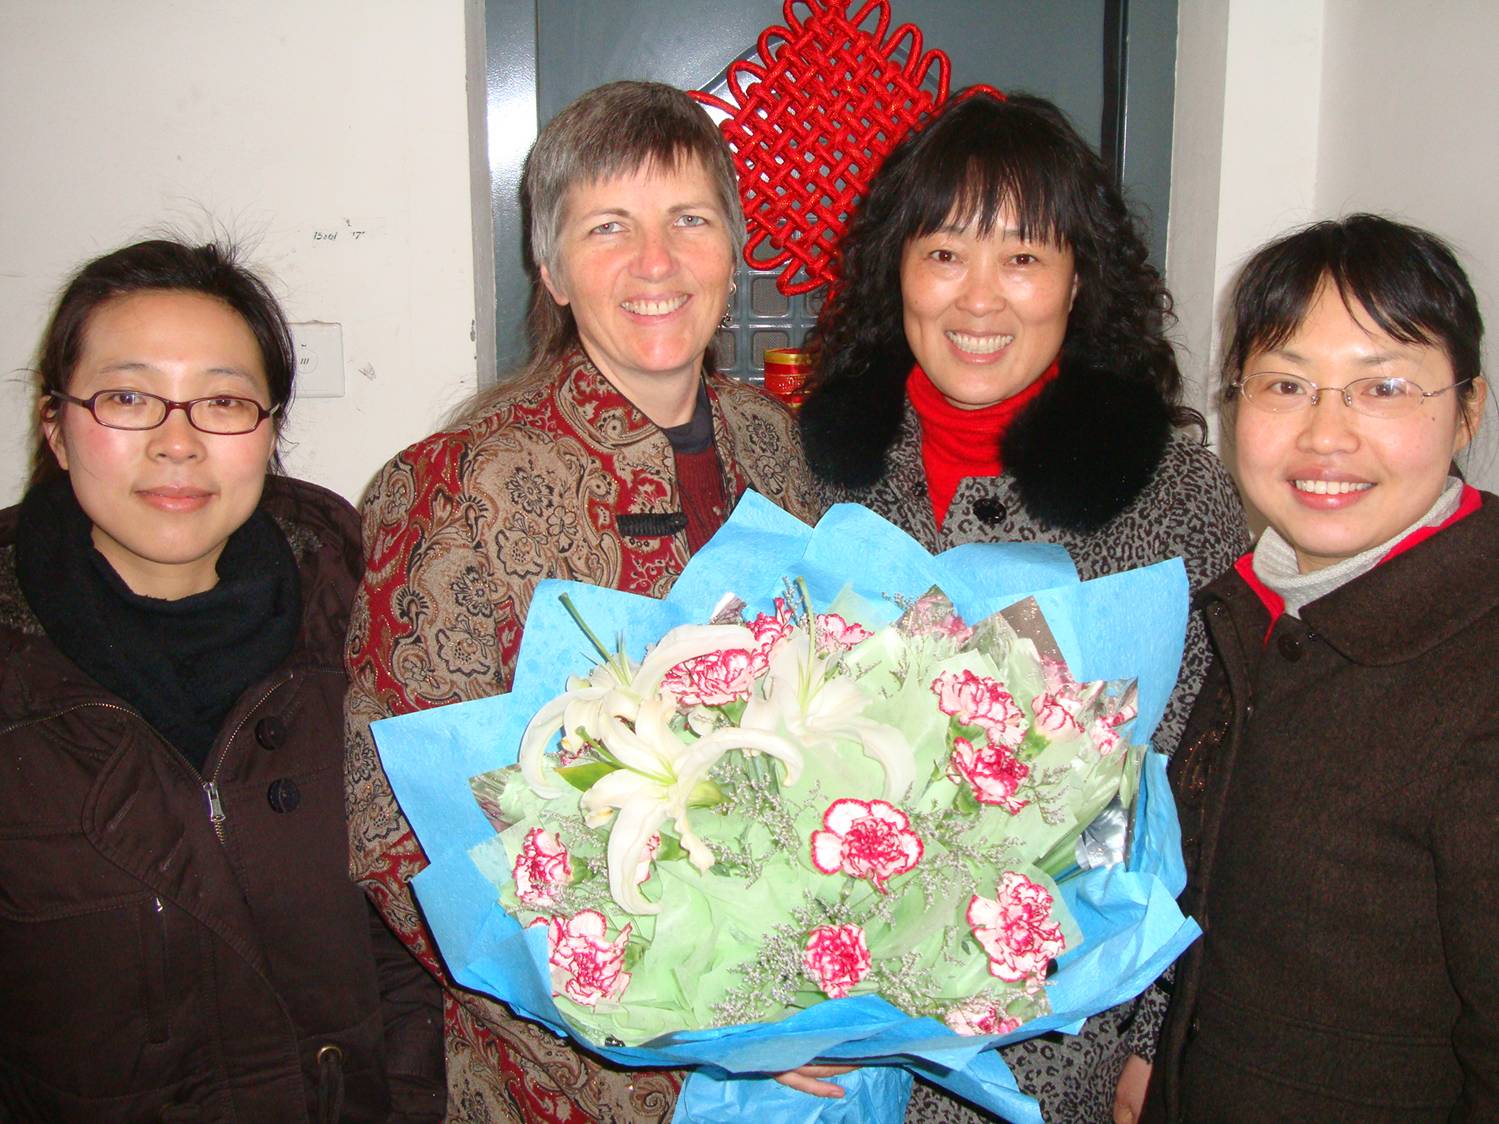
(837, 818)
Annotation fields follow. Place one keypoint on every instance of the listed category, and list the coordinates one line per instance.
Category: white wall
(1244, 154)
(1295, 110)
(275, 119)
(1410, 128)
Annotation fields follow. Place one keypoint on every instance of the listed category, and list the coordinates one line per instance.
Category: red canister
(786, 372)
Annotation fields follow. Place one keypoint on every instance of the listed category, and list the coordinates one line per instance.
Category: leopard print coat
(1188, 508)
(565, 479)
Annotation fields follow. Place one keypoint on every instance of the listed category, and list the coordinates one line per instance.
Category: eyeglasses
(222, 415)
(1280, 393)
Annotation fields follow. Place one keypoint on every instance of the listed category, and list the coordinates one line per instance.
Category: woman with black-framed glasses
(1339, 777)
(179, 938)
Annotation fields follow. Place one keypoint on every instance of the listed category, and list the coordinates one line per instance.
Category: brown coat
(151, 970)
(1339, 792)
(565, 479)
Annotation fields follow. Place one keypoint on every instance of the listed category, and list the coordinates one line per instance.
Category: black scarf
(183, 663)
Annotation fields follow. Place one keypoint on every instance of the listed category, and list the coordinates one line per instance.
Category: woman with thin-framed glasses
(179, 938)
(1337, 779)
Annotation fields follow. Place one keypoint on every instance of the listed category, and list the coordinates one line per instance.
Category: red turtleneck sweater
(957, 443)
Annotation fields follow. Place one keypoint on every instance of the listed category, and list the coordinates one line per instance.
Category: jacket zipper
(210, 785)
(215, 808)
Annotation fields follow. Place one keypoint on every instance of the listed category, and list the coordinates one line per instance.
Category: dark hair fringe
(1407, 279)
(213, 269)
(981, 158)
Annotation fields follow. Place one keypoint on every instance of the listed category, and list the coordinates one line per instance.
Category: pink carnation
(541, 868)
(932, 615)
(975, 700)
(993, 773)
(712, 679)
(870, 840)
(1056, 714)
(1105, 738)
(1058, 678)
(587, 962)
(1015, 928)
(835, 632)
(979, 1016)
(770, 631)
(837, 957)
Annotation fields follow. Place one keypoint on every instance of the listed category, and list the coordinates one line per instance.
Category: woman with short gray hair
(613, 456)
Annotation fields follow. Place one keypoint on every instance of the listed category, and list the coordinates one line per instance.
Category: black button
(270, 732)
(284, 795)
(990, 511)
(1290, 647)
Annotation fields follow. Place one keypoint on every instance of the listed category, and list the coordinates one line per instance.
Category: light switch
(320, 359)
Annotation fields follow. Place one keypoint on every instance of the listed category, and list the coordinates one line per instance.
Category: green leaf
(671, 849)
(956, 729)
(583, 777)
(965, 801)
(1032, 745)
(734, 711)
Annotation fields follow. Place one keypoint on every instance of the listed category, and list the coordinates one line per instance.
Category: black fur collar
(1079, 454)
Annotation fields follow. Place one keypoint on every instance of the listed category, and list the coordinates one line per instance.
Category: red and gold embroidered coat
(458, 529)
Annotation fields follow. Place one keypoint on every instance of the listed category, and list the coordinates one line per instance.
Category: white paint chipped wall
(332, 136)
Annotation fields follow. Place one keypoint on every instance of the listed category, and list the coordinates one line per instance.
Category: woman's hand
(804, 1079)
(1129, 1095)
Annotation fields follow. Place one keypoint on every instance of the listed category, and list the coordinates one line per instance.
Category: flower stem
(572, 611)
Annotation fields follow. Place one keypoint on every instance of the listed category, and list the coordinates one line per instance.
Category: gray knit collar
(1275, 558)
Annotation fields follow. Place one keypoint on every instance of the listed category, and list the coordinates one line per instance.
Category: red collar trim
(1274, 603)
(1468, 502)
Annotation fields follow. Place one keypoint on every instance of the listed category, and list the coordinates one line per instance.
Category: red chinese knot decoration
(810, 123)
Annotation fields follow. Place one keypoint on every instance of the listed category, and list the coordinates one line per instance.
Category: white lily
(615, 686)
(620, 707)
(799, 698)
(660, 773)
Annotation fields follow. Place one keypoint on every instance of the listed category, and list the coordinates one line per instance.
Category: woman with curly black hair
(994, 367)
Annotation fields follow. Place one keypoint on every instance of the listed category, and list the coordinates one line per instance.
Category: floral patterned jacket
(565, 479)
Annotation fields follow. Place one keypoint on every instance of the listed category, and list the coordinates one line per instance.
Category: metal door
(1108, 63)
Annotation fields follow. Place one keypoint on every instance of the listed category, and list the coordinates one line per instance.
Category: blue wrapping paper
(1128, 913)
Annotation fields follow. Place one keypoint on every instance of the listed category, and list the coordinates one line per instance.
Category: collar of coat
(1078, 455)
(1401, 609)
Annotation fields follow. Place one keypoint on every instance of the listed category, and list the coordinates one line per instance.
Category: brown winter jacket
(1339, 792)
(152, 969)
